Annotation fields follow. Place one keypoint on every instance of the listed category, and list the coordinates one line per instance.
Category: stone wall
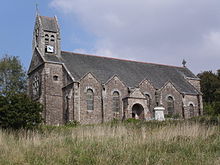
(40, 96)
(190, 99)
(114, 84)
(68, 103)
(90, 116)
(170, 90)
(76, 102)
(147, 88)
(66, 78)
(53, 93)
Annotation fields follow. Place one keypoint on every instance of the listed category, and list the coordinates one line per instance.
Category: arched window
(90, 99)
(55, 78)
(36, 84)
(46, 39)
(116, 102)
(170, 105)
(52, 38)
(191, 110)
(148, 100)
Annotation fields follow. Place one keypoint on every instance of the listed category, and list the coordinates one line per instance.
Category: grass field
(167, 143)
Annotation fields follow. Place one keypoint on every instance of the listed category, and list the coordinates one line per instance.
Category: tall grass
(141, 143)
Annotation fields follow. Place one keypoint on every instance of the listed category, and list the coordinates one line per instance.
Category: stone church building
(94, 89)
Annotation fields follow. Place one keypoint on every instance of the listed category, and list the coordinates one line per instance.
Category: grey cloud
(162, 31)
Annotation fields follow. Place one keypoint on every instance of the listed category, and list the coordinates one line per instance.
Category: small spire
(184, 63)
(37, 9)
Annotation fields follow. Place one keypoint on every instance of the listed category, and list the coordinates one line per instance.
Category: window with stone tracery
(116, 102)
(148, 100)
(36, 85)
(52, 38)
(90, 99)
(46, 39)
(170, 105)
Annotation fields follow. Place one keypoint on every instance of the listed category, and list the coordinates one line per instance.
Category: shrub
(216, 107)
(132, 120)
(207, 120)
(19, 111)
(214, 120)
(73, 123)
(212, 108)
(209, 109)
(174, 116)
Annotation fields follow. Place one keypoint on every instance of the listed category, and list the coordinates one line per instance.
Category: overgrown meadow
(116, 143)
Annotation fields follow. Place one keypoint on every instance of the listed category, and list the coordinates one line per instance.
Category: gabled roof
(36, 61)
(130, 72)
(137, 94)
(49, 23)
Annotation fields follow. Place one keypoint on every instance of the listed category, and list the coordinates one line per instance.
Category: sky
(155, 31)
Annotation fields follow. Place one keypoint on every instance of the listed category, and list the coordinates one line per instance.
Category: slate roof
(130, 72)
(36, 61)
(49, 23)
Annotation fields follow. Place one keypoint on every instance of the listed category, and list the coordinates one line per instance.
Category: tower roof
(49, 23)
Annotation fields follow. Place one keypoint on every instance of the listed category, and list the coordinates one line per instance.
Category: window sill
(90, 111)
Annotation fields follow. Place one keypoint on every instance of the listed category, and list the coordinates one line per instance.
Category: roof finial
(37, 9)
(184, 63)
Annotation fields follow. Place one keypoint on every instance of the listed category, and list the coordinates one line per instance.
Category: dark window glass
(170, 105)
(90, 99)
(148, 100)
(46, 39)
(55, 78)
(52, 38)
(116, 102)
(191, 110)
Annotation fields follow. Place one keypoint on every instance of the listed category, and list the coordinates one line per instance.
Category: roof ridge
(123, 59)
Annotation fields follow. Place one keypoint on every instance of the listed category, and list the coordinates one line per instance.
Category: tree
(210, 84)
(218, 73)
(12, 75)
(19, 111)
(210, 87)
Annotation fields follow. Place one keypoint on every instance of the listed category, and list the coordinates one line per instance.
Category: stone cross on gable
(184, 63)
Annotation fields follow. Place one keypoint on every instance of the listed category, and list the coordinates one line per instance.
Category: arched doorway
(138, 111)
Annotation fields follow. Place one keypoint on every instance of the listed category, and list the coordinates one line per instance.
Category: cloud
(162, 31)
(212, 43)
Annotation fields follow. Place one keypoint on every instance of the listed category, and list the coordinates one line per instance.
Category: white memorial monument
(159, 113)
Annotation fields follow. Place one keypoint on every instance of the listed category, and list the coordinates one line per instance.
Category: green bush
(207, 120)
(212, 108)
(19, 111)
(216, 106)
(73, 123)
(172, 116)
(209, 109)
(132, 120)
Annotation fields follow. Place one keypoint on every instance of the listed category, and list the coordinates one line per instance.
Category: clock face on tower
(50, 49)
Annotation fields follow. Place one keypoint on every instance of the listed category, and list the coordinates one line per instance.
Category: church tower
(45, 77)
(46, 36)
